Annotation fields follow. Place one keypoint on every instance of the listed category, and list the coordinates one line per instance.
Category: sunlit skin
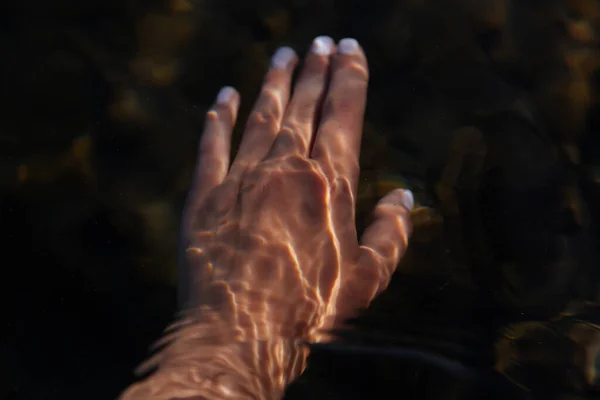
(273, 256)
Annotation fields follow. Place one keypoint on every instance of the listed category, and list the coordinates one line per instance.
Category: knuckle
(293, 137)
(340, 105)
(263, 119)
(269, 109)
(341, 187)
(298, 169)
(358, 72)
(289, 129)
(318, 180)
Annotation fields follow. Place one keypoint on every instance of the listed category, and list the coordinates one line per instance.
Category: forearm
(205, 360)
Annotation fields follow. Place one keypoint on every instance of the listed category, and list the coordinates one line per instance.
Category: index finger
(337, 142)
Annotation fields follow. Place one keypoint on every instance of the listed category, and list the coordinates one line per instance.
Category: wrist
(208, 359)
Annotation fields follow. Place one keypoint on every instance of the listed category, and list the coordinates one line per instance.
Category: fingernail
(348, 46)
(282, 57)
(322, 45)
(408, 199)
(225, 95)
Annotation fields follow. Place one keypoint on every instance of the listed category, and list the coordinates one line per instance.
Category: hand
(271, 244)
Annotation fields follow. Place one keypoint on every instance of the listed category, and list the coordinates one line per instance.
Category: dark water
(485, 108)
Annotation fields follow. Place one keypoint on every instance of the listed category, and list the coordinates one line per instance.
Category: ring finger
(264, 121)
(297, 128)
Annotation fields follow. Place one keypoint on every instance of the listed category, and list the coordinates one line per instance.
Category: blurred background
(486, 109)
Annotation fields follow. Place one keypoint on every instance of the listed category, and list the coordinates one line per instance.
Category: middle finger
(338, 139)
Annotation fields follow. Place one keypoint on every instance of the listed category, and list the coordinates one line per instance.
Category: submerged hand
(272, 251)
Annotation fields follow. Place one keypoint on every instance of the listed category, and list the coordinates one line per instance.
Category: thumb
(382, 246)
(384, 242)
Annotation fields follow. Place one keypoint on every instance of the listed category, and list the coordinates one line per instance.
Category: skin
(273, 259)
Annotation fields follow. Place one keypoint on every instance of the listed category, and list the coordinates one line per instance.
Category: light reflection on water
(486, 109)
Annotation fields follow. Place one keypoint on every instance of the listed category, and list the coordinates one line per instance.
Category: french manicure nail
(282, 57)
(322, 45)
(348, 46)
(225, 95)
(408, 199)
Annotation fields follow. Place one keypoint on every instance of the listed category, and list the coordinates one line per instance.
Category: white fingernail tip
(408, 199)
(225, 95)
(348, 46)
(282, 57)
(322, 45)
